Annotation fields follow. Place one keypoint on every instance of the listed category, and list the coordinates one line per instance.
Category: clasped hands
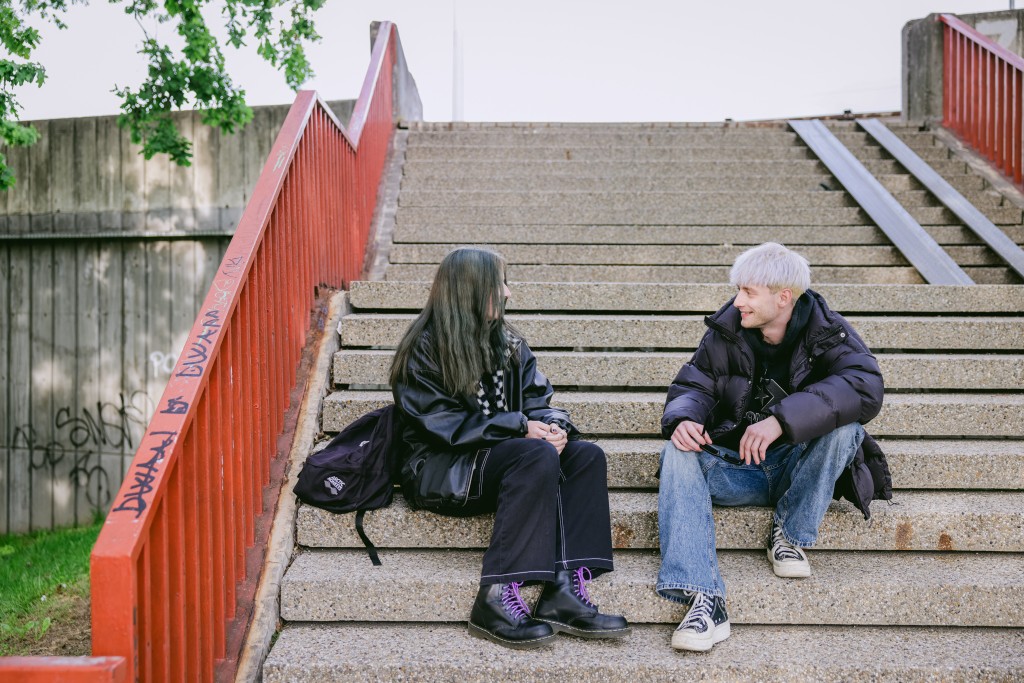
(690, 436)
(552, 433)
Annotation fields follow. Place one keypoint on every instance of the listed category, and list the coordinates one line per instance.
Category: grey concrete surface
(950, 550)
(915, 464)
(892, 182)
(918, 589)
(600, 254)
(596, 150)
(652, 168)
(382, 653)
(685, 331)
(815, 196)
(671, 298)
(639, 414)
(652, 214)
(847, 275)
(429, 141)
(793, 236)
(690, 215)
(621, 199)
(655, 370)
(606, 153)
(964, 521)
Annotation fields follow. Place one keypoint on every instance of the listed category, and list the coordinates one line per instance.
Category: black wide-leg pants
(551, 510)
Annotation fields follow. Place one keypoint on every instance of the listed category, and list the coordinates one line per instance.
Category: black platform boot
(565, 604)
(499, 614)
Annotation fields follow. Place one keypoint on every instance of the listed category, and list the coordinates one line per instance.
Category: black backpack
(354, 471)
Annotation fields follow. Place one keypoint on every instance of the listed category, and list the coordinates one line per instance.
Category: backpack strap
(371, 549)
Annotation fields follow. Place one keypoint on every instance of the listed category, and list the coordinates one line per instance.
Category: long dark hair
(466, 314)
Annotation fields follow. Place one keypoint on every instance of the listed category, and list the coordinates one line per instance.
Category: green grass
(40, 575)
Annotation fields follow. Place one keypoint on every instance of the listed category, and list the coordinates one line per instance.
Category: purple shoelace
(513, 601)
(580, 582)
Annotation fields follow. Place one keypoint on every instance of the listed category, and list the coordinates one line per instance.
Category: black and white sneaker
(705, 624)
(788, 561)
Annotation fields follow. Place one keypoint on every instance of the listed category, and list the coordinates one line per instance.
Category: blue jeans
(797, 479)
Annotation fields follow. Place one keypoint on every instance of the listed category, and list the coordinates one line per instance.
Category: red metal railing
(173, 550)
(981, 95)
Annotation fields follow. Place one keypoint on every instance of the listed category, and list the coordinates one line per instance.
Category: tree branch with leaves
(192, 76)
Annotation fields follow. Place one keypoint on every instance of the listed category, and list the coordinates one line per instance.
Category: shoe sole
(721, 632)
(478, 632)
(789, 570)
(559, 627)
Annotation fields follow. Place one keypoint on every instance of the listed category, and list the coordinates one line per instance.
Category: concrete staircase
(619, 239)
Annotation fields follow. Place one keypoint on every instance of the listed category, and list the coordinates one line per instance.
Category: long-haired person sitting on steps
(479, 436)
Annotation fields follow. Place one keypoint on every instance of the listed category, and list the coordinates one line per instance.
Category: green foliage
(34, 569)
(193, 76)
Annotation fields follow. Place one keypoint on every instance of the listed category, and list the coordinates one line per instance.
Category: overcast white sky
(553, 60)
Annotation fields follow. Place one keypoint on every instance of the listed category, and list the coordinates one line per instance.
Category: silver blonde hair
(773, 266)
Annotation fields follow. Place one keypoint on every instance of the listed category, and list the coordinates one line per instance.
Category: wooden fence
(99, 288)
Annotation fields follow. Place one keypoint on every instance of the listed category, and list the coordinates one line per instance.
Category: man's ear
(785, 296)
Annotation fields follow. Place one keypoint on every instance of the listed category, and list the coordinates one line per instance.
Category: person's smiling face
(758, 306)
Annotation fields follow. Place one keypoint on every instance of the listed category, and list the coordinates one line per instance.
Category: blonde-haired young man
(768, 411)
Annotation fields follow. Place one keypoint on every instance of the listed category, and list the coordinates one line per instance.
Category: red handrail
(63, 669)
(982, 95)
(180, 534)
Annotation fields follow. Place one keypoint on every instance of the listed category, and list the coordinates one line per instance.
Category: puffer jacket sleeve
(691, 396)
(851, 390)
(444, 419)
(537, 392)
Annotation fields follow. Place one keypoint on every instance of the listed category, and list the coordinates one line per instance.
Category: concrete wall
(105, 259)
(923, 51)
(84, 176)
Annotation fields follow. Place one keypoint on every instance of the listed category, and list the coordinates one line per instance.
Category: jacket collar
(821, 323)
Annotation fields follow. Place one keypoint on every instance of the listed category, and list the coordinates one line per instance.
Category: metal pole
(456, 65)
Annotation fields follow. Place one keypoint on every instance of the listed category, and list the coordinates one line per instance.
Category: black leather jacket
(440, 435)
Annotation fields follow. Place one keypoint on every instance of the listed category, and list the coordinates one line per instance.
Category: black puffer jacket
(441, 435)
(834, 381)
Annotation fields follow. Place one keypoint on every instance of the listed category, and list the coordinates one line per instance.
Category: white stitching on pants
(561, 524)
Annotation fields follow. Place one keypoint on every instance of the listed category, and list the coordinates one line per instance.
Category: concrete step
(651, 370)
(449, 231)
(650, 138)
(915, 464)
(576, 153)
(611, 200)
(610, 183)
(693, 255)
(607, 138)
(921, 520)
(684, 215)
(987, 465)
(858, 140)
(706, 167)
(869, 151)
(704, 298)
(849, 275)
(914, 140)
(651, 214)
(894, 182)
(917, 588)
(684, 332)
(595, 151)
(413, 653)
(639, 414)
